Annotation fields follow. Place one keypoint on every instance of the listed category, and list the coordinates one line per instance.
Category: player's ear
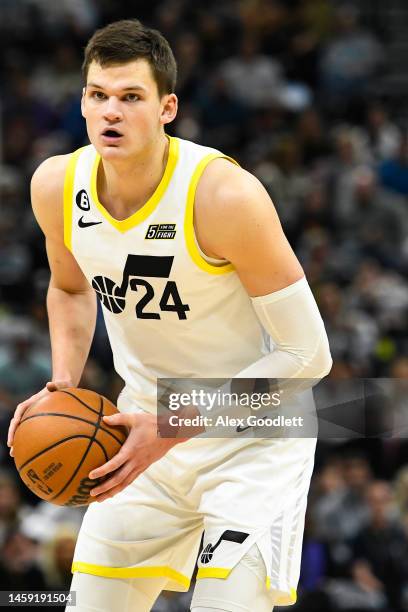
(83, 101)
(169, 106)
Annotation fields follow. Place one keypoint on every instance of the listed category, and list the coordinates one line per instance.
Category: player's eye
(98, 95)
(131, 97)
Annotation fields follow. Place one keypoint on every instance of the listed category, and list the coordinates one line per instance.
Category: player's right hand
(22, 407)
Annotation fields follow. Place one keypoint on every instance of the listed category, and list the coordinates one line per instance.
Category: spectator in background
(380, 549)
(393, 171)
(15, 266)
(312, 138)
(401, 495)
(383, 294)
(283, 175)
(310, 28)
(190, 67)
(352, 333)
(326, 496)
(19, 570)
(349, 155)
(349, 61)
(46, 520)
(372, 222)
(57, 555)
(218, 33)
(23, 371)
(223, 116)
(82, 13)
(316, 214)
(254, 79)
(340, 510)
(59, 78)
(11, 509)
(382, 134)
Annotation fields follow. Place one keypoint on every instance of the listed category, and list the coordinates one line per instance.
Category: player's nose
(112, 110)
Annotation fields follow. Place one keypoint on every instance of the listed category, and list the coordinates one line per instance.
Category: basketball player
(186, 253)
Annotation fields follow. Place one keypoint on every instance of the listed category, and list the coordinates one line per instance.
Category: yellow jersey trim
(283, 599)
(132, 572)
(143, 213)
(213, 572)
(223, 572)
(189, 219)
(69, 196)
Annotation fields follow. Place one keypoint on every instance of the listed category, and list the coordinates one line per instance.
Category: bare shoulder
(229, 183)
(230, 204)
(47, 190)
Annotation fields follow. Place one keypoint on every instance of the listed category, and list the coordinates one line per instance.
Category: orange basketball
(60, 439)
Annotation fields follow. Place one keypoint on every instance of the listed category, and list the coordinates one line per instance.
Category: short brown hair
(127, 40)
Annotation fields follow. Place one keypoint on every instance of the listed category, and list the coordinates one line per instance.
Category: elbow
(327, 366)
(322, 361)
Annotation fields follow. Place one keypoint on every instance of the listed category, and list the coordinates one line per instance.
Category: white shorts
(238, 492)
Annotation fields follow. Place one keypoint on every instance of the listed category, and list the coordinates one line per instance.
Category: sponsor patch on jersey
(82, 200)
(161, 231)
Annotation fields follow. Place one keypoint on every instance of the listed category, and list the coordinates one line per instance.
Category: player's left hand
(141, 448)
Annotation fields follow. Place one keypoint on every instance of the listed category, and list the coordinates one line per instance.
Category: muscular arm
(71, 302)
(236, 220)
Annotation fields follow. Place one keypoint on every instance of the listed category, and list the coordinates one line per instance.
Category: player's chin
(112, 151)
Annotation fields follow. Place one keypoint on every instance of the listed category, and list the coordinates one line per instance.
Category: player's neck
(125, 186)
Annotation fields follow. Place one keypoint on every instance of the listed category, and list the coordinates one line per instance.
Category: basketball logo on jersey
(228, 536)
(161, 231)
(113, 296)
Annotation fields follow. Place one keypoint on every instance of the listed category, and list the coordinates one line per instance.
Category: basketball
(60, 439)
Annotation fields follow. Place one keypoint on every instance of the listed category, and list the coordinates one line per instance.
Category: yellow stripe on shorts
(131, 572)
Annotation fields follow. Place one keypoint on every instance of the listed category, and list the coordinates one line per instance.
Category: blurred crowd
(309, 96)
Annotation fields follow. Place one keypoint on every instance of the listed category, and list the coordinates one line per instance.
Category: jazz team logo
(161, 231)
(228, 536)
(137, 269)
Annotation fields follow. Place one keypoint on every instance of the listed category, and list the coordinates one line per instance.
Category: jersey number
(113, 296)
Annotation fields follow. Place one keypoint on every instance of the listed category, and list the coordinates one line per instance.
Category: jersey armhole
(191, 241)
(69, 196)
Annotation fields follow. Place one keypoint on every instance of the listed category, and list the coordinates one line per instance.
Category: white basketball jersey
(169, 312)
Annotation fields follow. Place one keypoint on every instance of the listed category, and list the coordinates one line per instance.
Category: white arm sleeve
(293, 321)
(300, 356)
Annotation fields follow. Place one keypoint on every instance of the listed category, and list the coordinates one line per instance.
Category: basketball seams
(84, 456)
(91, 441)
(45, 450)
(90, 408)
(78, 399)
(76, 418)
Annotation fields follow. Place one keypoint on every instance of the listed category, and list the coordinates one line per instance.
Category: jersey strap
(189, 218)
(68, 196)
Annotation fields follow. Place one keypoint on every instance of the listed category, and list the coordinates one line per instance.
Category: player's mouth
(111, 136)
